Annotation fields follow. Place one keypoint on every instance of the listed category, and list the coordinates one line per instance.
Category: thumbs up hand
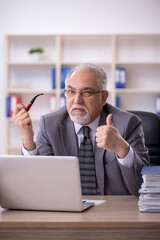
(108, 137)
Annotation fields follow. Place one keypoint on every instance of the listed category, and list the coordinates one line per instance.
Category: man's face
(82, 109)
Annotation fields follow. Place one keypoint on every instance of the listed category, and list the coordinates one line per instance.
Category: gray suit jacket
(57, 137)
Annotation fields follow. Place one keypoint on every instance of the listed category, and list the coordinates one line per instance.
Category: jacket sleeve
(133, 134)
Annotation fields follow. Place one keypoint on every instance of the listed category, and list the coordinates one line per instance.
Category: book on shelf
(118, 101)
(62, 101)
(8, 106)
(149, 198)
(11, 102)
(120, 77)
(53, 78)
(158, 105)
(64, 72)
(52, 103)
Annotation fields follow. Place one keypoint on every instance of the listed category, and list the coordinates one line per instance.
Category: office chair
(151, 128)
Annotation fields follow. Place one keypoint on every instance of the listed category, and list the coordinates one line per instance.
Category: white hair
(89, 67)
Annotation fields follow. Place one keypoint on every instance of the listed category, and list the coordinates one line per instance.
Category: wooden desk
(117, 218)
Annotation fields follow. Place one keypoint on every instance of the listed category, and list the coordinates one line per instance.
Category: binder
(11, 102)
(64, 72)
(118, 102)
(120, 78)
(14, 100)
(151, 170)
(158, 105)
(52, 103)
(8, 106)
(53, 78)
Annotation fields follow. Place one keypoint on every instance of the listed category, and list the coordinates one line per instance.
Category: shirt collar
(93, 125)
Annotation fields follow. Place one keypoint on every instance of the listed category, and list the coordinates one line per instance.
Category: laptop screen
(40, 183)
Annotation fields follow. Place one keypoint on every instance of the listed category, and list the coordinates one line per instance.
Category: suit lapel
(99, 156)
(68, 137)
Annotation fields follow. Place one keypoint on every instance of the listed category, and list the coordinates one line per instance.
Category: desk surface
(118, 212)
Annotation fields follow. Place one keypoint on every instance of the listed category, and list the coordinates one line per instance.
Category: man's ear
(105, 95)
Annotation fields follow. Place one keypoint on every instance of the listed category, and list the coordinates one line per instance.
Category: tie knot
(86, 131)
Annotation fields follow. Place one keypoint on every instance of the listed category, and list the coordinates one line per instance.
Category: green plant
(36, 50)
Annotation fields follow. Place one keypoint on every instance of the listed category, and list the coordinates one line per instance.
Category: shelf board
(136, 63)
(30, 91)
(135, 90)
(70, 63)
(38, 63)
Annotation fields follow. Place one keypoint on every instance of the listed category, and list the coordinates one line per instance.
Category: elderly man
(108, 141)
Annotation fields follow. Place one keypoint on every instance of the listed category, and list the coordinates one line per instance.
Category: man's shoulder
(123, 120)
(119, 114)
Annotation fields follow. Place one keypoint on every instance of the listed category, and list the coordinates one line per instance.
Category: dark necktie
(87, 164)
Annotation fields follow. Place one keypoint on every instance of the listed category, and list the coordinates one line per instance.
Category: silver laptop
(46, 183)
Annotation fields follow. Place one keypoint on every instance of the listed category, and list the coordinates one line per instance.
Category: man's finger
(17, 108)
(109, 120)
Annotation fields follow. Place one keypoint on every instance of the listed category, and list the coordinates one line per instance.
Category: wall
(72, 16)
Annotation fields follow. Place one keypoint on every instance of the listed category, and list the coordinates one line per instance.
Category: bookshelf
(27, 75)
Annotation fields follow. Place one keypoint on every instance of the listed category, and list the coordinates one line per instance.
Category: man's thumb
(109, 120)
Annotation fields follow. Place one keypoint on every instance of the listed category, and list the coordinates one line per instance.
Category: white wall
(73, 16)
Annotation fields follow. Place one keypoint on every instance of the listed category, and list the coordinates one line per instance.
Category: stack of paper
(149, 199)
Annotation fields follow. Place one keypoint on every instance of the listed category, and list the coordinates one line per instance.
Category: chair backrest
(151, 128)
